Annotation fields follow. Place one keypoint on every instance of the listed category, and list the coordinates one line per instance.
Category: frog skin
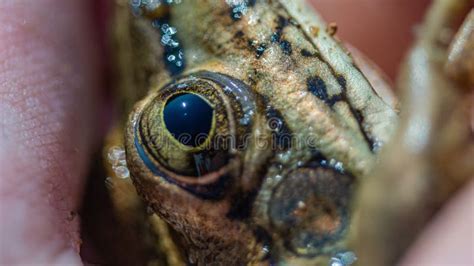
(269, 69)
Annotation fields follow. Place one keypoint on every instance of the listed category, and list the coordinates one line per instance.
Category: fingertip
(50, 73)
(449, 239)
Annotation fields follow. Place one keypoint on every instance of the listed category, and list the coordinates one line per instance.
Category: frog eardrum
(315, 217)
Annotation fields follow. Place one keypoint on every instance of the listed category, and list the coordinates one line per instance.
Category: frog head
(253, 130)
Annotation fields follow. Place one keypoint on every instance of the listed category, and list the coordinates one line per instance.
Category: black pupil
(188, 117)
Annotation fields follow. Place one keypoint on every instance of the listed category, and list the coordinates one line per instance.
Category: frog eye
(188, 132)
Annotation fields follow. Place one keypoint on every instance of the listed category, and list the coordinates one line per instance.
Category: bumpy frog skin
(306, 124)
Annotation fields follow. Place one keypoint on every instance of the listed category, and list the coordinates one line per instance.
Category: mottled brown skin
(307, 80)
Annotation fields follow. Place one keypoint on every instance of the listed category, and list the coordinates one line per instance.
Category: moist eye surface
(188, 117)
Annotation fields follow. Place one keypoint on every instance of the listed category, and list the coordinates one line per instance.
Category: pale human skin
(53, 112)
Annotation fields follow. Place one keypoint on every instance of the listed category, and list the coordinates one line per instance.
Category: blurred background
(383, 29)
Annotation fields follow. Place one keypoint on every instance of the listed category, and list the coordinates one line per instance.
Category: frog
(245, 131)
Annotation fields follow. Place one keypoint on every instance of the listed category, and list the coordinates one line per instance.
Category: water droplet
(265, 250)
(335, 262)
(278, 177)
(335, 164)
(301, 204)
(165, 39)
(377, 145)
(182, 86)
(164, 27)
(284, 157)
(173, 43)
(343, 259)
(244, 121)
(121, 171)
(339, 167)
(135, 3)
(171, 31)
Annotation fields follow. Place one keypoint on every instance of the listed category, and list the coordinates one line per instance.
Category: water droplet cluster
(332, 163)
(173, 53)
(116, 157)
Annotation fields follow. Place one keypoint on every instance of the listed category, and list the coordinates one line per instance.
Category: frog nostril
(310, 207)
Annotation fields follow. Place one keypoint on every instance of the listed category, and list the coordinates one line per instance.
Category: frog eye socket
(189, 131)
(311, 209)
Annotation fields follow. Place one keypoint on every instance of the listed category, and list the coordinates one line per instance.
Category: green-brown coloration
(339, 138)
